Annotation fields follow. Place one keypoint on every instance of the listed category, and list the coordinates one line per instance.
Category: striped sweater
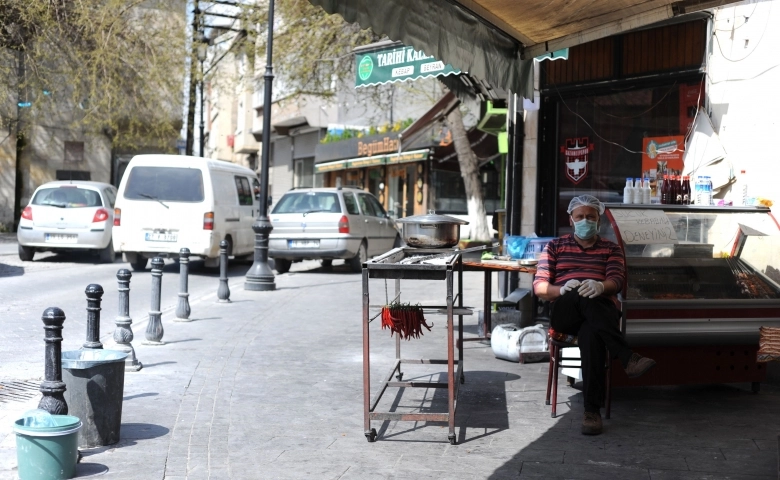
(564, 259)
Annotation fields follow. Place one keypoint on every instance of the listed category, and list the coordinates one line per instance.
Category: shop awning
(497, 40)
(373, 161)
(438, 112)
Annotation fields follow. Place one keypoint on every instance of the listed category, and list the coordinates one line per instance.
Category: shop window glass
(450, 193)
(602, 138)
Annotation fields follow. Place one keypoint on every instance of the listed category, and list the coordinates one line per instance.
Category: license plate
(304, 244)
(161, 237)
(62, 238)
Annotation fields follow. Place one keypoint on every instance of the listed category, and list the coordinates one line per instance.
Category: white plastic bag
(522, 345)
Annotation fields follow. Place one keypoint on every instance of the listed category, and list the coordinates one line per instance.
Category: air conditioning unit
(494, 120)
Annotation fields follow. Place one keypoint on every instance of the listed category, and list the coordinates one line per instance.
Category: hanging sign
(643, 227)
(395, 64)
(662, 155)
(576, 153)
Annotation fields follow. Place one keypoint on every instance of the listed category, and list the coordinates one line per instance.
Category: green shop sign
(399, 63)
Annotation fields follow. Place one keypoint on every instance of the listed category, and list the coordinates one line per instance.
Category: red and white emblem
(575, 154)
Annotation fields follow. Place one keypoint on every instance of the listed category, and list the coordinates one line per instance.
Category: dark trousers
(595, 321)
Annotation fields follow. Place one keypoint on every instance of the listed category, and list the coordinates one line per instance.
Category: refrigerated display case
(700, 283)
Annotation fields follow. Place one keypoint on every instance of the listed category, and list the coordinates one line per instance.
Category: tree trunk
(469, 170)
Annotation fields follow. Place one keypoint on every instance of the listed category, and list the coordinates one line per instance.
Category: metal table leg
(368, 431)
(486, 314)
(450, 362)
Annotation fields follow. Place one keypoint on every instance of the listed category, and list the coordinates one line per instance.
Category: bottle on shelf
(636, 193)
(628, 191)
(646, 191)
(743, 182)
(686, 190)
(666, 191)
(677, 187)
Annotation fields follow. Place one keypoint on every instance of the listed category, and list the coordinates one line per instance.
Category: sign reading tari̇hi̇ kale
(398, 63)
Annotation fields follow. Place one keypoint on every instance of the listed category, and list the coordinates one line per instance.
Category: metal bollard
(94, 296)
(154, 330)
(183, 307)
(123, 333)
(223, 292)
(53, 387)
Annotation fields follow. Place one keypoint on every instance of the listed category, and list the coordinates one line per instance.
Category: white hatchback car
(68, 216)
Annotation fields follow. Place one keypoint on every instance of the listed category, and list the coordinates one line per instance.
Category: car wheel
(139, 264)
(282, 265)
(107, 255)
(327, 262)
(356, 262)
(26, 254)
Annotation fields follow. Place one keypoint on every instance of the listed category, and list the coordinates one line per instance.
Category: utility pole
(260, 277)
(193, 81)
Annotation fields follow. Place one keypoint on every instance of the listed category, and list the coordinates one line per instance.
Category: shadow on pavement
(141, 395)
(184, 340)
(481, 405)
(150, 365)
(10, 270)
(84, 470)
(689, 431)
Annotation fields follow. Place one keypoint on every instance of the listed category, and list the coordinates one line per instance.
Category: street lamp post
(203, 44)
(260, 277)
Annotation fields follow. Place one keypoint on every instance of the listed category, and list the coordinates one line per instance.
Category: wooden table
(490, 266)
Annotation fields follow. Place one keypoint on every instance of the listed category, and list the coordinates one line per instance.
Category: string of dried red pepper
(405, 319)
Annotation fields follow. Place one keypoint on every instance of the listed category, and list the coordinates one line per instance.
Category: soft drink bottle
(686, 190)
(677, 190)
(666, 191)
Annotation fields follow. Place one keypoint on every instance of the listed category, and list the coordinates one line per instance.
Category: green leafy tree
(111, 66)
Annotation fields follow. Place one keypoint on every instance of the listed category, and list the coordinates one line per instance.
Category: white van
(169, 202)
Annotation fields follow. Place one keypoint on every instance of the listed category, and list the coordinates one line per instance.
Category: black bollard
(94, 296)
(53, 387)
(223, 292)
(183, 307)
(123, 333)
(154, 330)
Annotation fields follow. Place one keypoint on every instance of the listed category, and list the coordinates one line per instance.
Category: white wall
(743, 79)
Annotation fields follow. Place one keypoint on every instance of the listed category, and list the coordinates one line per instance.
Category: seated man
(581, 274)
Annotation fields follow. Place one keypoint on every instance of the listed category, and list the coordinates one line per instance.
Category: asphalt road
(28, 288)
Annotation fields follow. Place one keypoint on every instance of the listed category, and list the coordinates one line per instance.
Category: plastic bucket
(95, 381)
(48, 453)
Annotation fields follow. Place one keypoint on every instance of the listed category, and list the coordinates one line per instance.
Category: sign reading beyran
(398, 63)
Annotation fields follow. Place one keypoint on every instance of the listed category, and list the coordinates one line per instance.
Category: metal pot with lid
(431, 230)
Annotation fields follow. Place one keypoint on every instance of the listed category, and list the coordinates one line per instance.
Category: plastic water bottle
(646, 192)
(628, 191)
(743, 181)
(706, 190)
(636, 193)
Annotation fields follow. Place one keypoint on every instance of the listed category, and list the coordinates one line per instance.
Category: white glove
(570, 285)
(591, 288)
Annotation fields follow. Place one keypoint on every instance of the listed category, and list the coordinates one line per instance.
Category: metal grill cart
(701, 280)
(403, 264)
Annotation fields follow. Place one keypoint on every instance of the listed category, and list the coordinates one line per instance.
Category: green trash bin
(48, 453)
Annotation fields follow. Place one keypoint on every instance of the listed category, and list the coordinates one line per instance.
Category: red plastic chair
(557, 342)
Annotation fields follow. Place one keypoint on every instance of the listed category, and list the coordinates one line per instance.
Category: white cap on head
(586, 201)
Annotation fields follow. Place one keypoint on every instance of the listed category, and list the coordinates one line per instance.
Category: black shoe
(591, 423)
(638, 365)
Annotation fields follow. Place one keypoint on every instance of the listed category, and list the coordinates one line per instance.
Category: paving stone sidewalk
(270, 386)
